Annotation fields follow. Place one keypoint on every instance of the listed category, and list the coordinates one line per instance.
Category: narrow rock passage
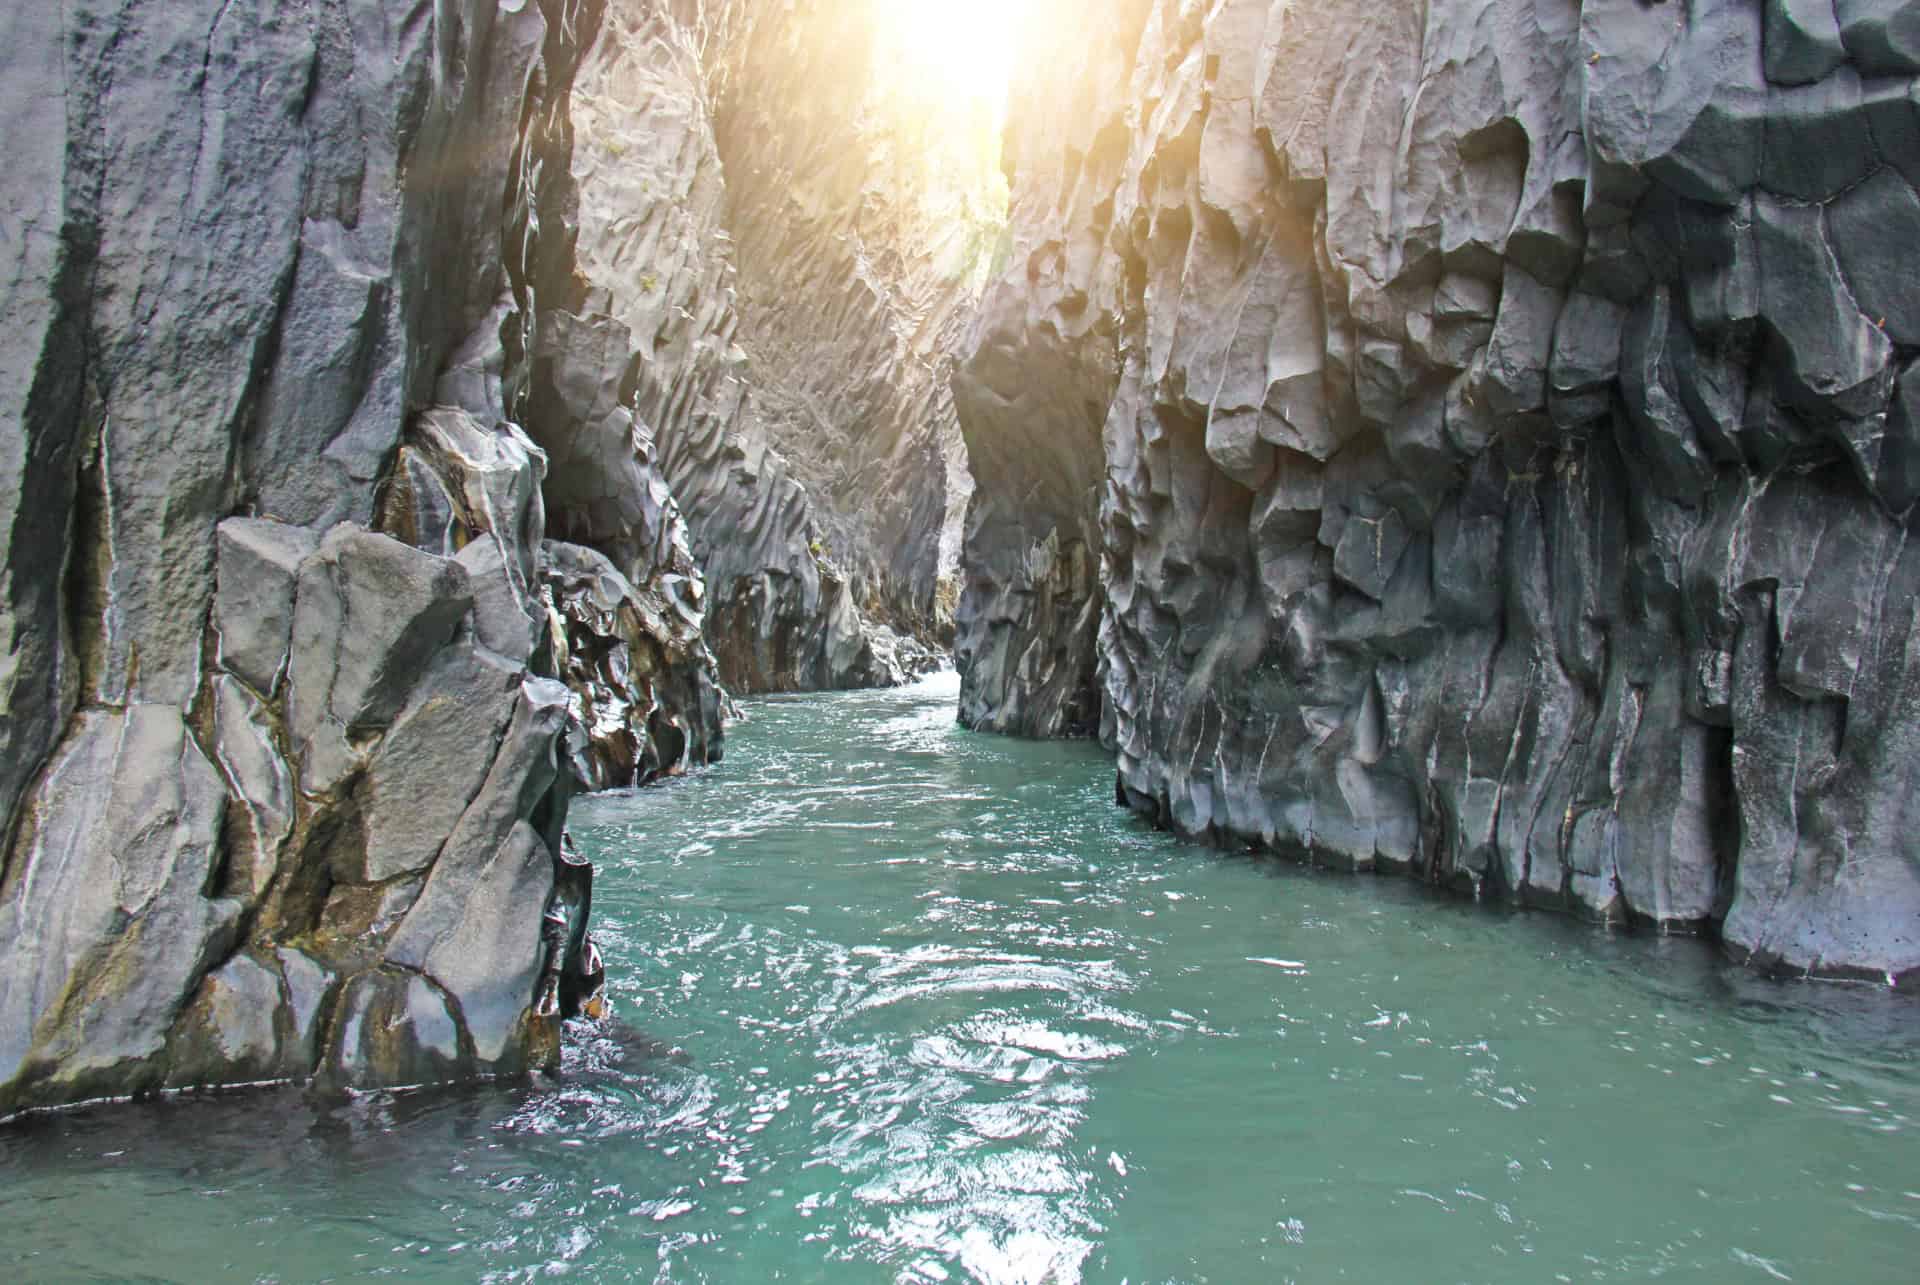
(900, 1002)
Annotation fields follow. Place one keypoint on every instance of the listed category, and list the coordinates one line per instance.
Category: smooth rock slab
(370, 613)
(256, 569)
(106, 923)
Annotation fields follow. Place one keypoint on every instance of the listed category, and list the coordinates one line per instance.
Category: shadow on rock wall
(1507, 459)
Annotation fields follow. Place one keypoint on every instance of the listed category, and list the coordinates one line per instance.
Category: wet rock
(643, 681)
(228, 1031)
(393, 1028)
(476, 931)
(308, 986)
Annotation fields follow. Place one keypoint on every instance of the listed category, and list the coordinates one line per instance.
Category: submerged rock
(1488, 421)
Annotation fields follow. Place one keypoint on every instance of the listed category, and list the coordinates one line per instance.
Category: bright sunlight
(959, 52)
(943, 67)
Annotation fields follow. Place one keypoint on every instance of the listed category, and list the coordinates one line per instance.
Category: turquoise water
(900, 1003)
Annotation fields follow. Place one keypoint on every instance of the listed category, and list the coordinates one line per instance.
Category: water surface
(900, 1003)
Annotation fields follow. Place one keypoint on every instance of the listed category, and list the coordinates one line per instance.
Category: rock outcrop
(1505, 456)
(293, 687)
(744, 214)
(1034, 389)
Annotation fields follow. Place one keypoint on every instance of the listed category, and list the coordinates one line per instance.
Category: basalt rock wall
(294, 690)
(738, 209)
(1506, 450)
(1039, 372)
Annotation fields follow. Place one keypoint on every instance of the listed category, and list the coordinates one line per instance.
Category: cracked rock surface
(1474, 439)
(295, 691)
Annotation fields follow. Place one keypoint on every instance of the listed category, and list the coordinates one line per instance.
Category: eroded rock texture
(1506, 463)
(284, 760)
(1035, 387)
(741, 210)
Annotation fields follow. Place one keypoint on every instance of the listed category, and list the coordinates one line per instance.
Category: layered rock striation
(1492, 424)
(295, 690)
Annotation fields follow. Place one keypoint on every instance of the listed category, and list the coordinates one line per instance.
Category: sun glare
(942, 70)
(959, 52)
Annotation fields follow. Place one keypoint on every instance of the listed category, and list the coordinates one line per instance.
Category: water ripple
(898, 1003)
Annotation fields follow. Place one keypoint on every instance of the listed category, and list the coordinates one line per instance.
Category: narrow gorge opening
(464, 446)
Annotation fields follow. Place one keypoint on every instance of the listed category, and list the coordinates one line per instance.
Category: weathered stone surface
(370, 614)
(1041, 354)
(259, 785)
(1802, 39)
(257, 566)
(269, 538)
(476, 931)
(741, 214)
(228, 1030)
(1576, 571)
(307, 987)
(393, 1028)
(430, 766)
(642, 678)
(40, 396)
(108, 916)
(1881, 36)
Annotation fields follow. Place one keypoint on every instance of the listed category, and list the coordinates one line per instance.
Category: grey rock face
(1032, 393)
(640, 672)
(284, 762)
(788, 381)
(109, 924)
(1505, 470)
(370, 612)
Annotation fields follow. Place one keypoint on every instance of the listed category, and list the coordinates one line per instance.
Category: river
(895, 1002)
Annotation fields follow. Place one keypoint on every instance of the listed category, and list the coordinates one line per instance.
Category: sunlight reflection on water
(899, 1003)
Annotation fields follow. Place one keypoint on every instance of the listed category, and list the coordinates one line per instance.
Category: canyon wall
(296, 688)
(744, 210)
(1039, 372)
(1474, 439)
(397, 455)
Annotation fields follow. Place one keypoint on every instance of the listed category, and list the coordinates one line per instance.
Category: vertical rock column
(1039, 370)
(286, 758)
(629, 605)
(736, 215)
(1505, 474)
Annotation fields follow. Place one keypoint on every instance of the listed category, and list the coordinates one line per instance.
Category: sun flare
(958, 54)
(942, 69)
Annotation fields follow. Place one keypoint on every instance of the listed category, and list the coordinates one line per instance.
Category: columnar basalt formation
(1034, 389)
(737, 209)
(286, 749)
(1509, 460)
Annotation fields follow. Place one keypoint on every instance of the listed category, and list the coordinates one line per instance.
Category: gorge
(1461, 438)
